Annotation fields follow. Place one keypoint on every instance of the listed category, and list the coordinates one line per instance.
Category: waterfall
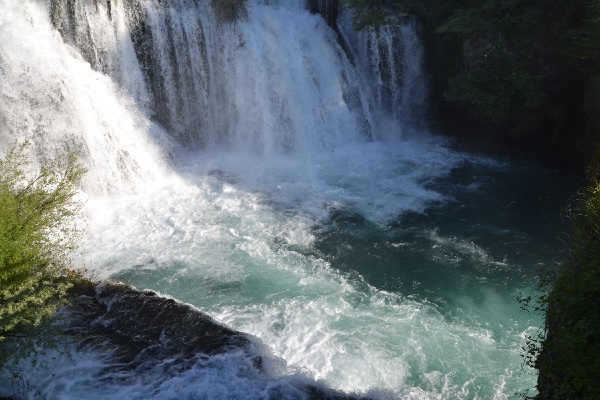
(52, 97)
(283, 181)
(390, 58)
(183, 67)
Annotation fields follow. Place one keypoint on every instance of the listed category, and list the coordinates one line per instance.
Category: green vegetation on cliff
(38, 234)
(567, 355)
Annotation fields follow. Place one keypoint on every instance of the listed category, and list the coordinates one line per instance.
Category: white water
(281, 130)
(51, 97)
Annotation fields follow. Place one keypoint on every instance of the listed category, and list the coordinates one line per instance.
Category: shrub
(38, 235)
(566, 352)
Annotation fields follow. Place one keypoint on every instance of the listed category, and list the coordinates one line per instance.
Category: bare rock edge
(140, 329)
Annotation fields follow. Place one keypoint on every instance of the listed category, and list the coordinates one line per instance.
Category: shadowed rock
(140, 325)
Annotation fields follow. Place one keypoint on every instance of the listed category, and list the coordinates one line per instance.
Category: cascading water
(195, 74)
(51, 96)
(279, 177)
(391, 59)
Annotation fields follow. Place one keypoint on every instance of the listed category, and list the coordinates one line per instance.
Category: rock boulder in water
(137, 326)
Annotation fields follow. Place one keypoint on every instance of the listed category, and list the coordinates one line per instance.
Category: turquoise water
(290, 188)
(369, 285)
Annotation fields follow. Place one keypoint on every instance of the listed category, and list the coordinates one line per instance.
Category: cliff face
(568, 362)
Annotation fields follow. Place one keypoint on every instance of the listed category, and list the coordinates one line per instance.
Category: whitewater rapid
(287, 185)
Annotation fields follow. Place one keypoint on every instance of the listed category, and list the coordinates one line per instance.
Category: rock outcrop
(140, 325)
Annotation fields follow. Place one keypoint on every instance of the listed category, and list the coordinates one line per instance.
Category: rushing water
(286, 185)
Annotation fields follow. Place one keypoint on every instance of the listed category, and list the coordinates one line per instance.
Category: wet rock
(136, 326)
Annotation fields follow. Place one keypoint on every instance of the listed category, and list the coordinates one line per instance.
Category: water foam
(293, 132)
(53, 98)
(234, 237)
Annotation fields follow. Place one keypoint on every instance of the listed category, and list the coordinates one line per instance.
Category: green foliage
(495, 82)
(496, 88)
(370, 13)
(566, 351)
(536, 304)
(568, 363)
(434, 10)
(38, 234)
(583, 40)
